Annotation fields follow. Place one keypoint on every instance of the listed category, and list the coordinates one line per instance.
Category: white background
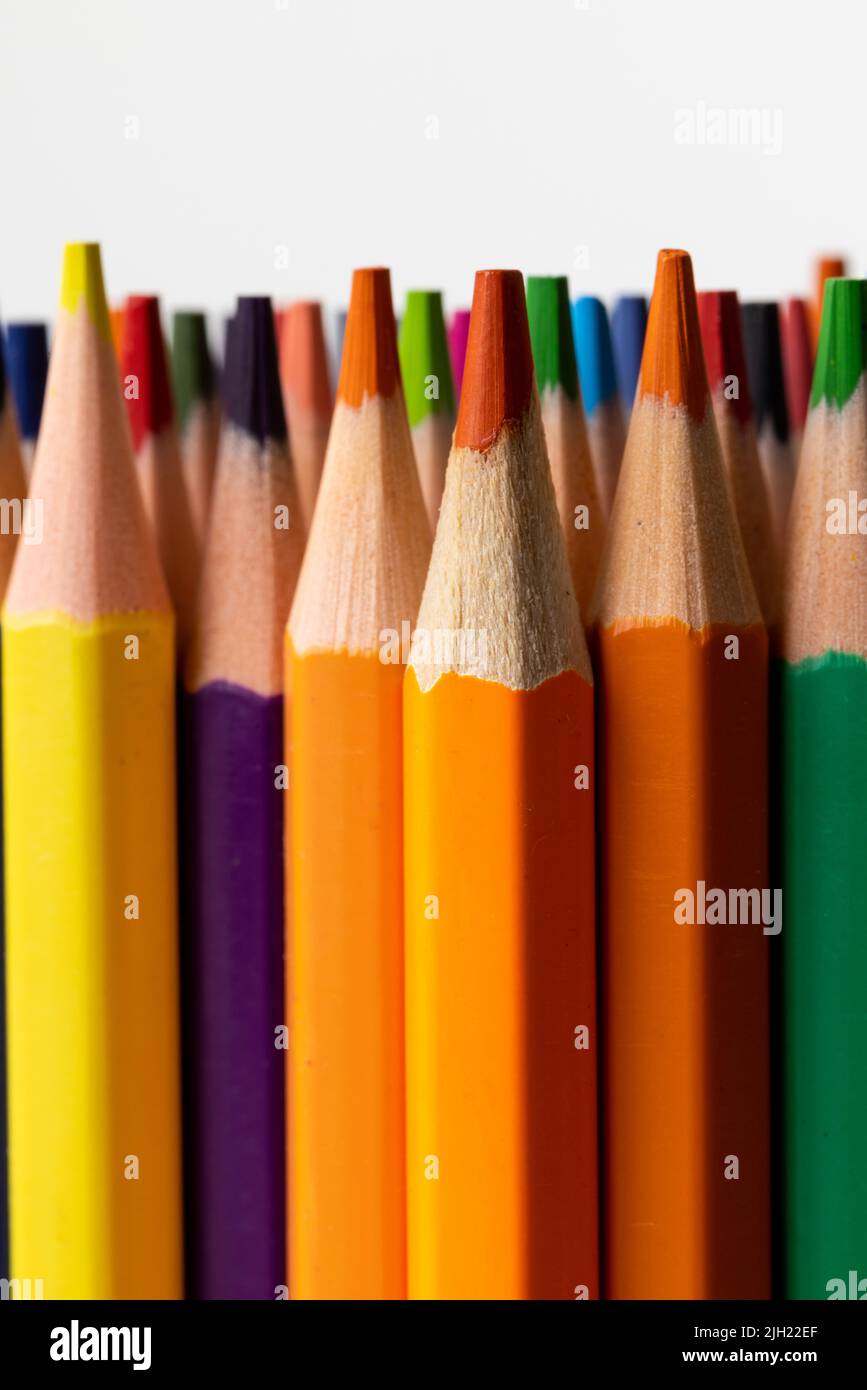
(304, 124)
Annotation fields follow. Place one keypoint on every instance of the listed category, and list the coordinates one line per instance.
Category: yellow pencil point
(82, 279)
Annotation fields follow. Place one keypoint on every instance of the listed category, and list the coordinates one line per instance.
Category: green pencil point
(842, 350)
(551, 333)
(424, 357)
(192, 367)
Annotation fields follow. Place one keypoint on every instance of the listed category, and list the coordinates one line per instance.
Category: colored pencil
(628, 327)
(761, 328)
(307, 396)
(581, 519)
(827, 268)
(88, 747)
(602, 409)
(117, 317)
(824, 693)
(459, 327)
(234, 861)
(279, 318)
(198, 413)
(720, 320)
(226, 374)
(27, 363)
(338, 333)
(797, 366)
(150, 410)
(430, 396)
(682, 675)
(361, 581)
(13, 486)
(499, 776)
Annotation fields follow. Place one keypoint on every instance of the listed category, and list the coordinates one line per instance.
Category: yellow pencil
(88, 749)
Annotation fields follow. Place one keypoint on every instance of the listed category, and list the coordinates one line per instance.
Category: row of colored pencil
(466, 794)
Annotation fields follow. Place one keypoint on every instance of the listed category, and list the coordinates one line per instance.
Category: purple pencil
(234, 828)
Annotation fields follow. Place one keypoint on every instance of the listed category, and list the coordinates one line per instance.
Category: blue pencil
(602, 407)
(628, 323)
(27, 366)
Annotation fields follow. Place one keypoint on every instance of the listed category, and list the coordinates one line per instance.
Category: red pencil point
(498, 372)
(149, 404)
(719, 315)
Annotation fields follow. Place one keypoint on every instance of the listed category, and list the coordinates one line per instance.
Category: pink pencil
(459, 327)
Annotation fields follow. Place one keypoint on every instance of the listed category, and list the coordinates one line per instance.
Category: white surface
(302, 124)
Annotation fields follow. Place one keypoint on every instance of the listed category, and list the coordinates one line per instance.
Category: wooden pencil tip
(719, 316)
(797, 358)
(82, 282)
(498, 371)
(829, 268)
(253, 399)
(763, 347)
(551, 335)
(672, 365)
(842, 351)
(594, 352)
(370, 364)
(192, 365)
(27, 365)
(304, 357)
(424, 353)
(149, 398)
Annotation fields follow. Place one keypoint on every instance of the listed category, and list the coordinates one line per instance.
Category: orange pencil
(117, 317)
(682, 675)
(307, 397)
(150, 411)
(360, 583)
(499, 843)
(827, 268)
(797, 365)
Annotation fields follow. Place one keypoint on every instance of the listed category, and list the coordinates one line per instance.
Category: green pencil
(430, 394)
(824, 711)
(582, 521)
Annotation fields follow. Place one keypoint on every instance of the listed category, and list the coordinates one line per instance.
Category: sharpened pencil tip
(551, 333)
(369, 366)
(842, 352)
(498, 371)
(82, 280)
(253, 398)
(719, 315)
(672, 365)
(192, 365)
(144, 358)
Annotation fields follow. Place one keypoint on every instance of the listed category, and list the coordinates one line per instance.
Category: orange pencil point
(307, 396)
(672, 365)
